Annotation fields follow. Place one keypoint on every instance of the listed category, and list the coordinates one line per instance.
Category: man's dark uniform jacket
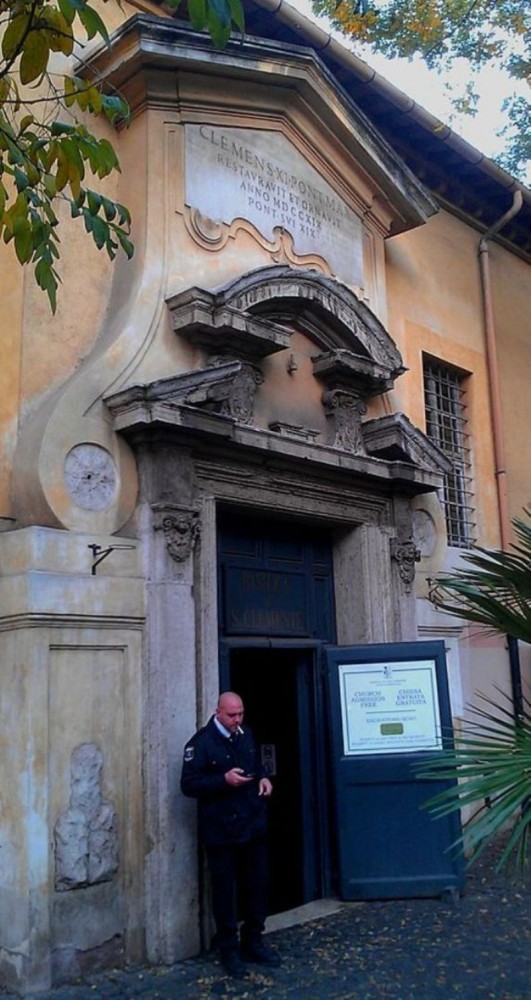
(227, 815)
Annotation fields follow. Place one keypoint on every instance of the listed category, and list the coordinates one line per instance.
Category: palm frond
(496, 591)
(491, 760)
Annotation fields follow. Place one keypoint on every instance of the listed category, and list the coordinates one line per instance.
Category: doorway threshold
(315, 910)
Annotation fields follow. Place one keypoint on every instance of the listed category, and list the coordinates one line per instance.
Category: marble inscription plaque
(259, 176)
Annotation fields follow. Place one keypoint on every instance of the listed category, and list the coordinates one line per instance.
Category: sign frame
(389, 705)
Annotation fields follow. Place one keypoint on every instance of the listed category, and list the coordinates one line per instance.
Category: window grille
(446, 425)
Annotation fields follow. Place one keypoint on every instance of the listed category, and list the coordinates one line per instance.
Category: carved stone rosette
(405, 554)
(344, 410)
(181, 527)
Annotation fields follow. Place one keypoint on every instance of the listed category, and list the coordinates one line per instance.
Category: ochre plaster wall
(510, 295)
(12, 298)
(435, 308)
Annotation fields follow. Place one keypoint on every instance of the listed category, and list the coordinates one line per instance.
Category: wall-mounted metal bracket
(99, 554)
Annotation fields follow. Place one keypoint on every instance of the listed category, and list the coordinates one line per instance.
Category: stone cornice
(138, 419)
(147, 51)
(29, 620)
(394, 437)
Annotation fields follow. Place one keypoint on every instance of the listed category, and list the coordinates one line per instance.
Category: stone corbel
(405, 554)
(181, 527)
(344, 410)
(350, 379)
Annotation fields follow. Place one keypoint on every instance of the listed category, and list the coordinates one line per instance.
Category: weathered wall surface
(106, 673)
(72, 815)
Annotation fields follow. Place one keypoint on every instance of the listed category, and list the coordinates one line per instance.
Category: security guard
(222, 771)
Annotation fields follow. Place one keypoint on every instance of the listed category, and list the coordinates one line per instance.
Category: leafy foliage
(492, 756)
(46, 150)
(48, 155)
(440, 31)
(215, 16)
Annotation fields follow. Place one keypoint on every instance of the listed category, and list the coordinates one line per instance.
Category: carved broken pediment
(363, 375)
(224, 387)
(321, 306)
(394, 438)
(205, 320)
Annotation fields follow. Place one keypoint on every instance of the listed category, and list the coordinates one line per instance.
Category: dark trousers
(239, 878)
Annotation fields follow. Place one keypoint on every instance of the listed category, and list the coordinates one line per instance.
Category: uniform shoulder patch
(188, 753)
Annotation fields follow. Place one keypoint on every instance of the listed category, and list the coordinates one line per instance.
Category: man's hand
(265, 787)
(236, 776)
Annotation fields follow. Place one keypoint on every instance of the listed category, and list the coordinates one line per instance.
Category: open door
(389, 711)
(277, 685)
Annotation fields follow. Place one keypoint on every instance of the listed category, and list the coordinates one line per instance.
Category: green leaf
(125, 244)
(23, 240)
(35, 56)
(219, 33)
(13, 36)
(100, 232)
(93, 23)
(62, 128)
(219, 13)
(67, 10)
(25, 123)
(47, 280)
(124, 216)
(115, 108)
(62, 175)
(21, 179)
(237, 14)
(93, 202)
(70, 85)
(109, 209)
(60, 35)
(197, 11)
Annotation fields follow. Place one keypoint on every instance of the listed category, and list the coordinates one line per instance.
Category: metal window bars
(446, 425)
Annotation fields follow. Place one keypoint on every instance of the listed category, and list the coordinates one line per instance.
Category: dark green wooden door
(388, 709)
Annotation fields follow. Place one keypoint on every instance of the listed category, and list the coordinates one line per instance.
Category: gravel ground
(477, 947)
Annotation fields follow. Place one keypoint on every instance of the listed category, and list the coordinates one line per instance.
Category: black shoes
(250, 951)
(262, 954)
(233, 964)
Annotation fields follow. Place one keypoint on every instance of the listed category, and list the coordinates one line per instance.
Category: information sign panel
(389, 707)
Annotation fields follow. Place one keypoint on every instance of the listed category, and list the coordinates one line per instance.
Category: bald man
(222, 770)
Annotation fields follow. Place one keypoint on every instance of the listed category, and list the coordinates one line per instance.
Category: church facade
(264, 436)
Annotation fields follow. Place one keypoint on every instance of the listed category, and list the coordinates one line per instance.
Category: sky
(429, 89)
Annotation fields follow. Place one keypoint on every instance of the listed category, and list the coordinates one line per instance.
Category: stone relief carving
(86, 834)
(345, 410)
(405, 554)
(424, 532)
(239, 402)
(181, 527)
(213, 235)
